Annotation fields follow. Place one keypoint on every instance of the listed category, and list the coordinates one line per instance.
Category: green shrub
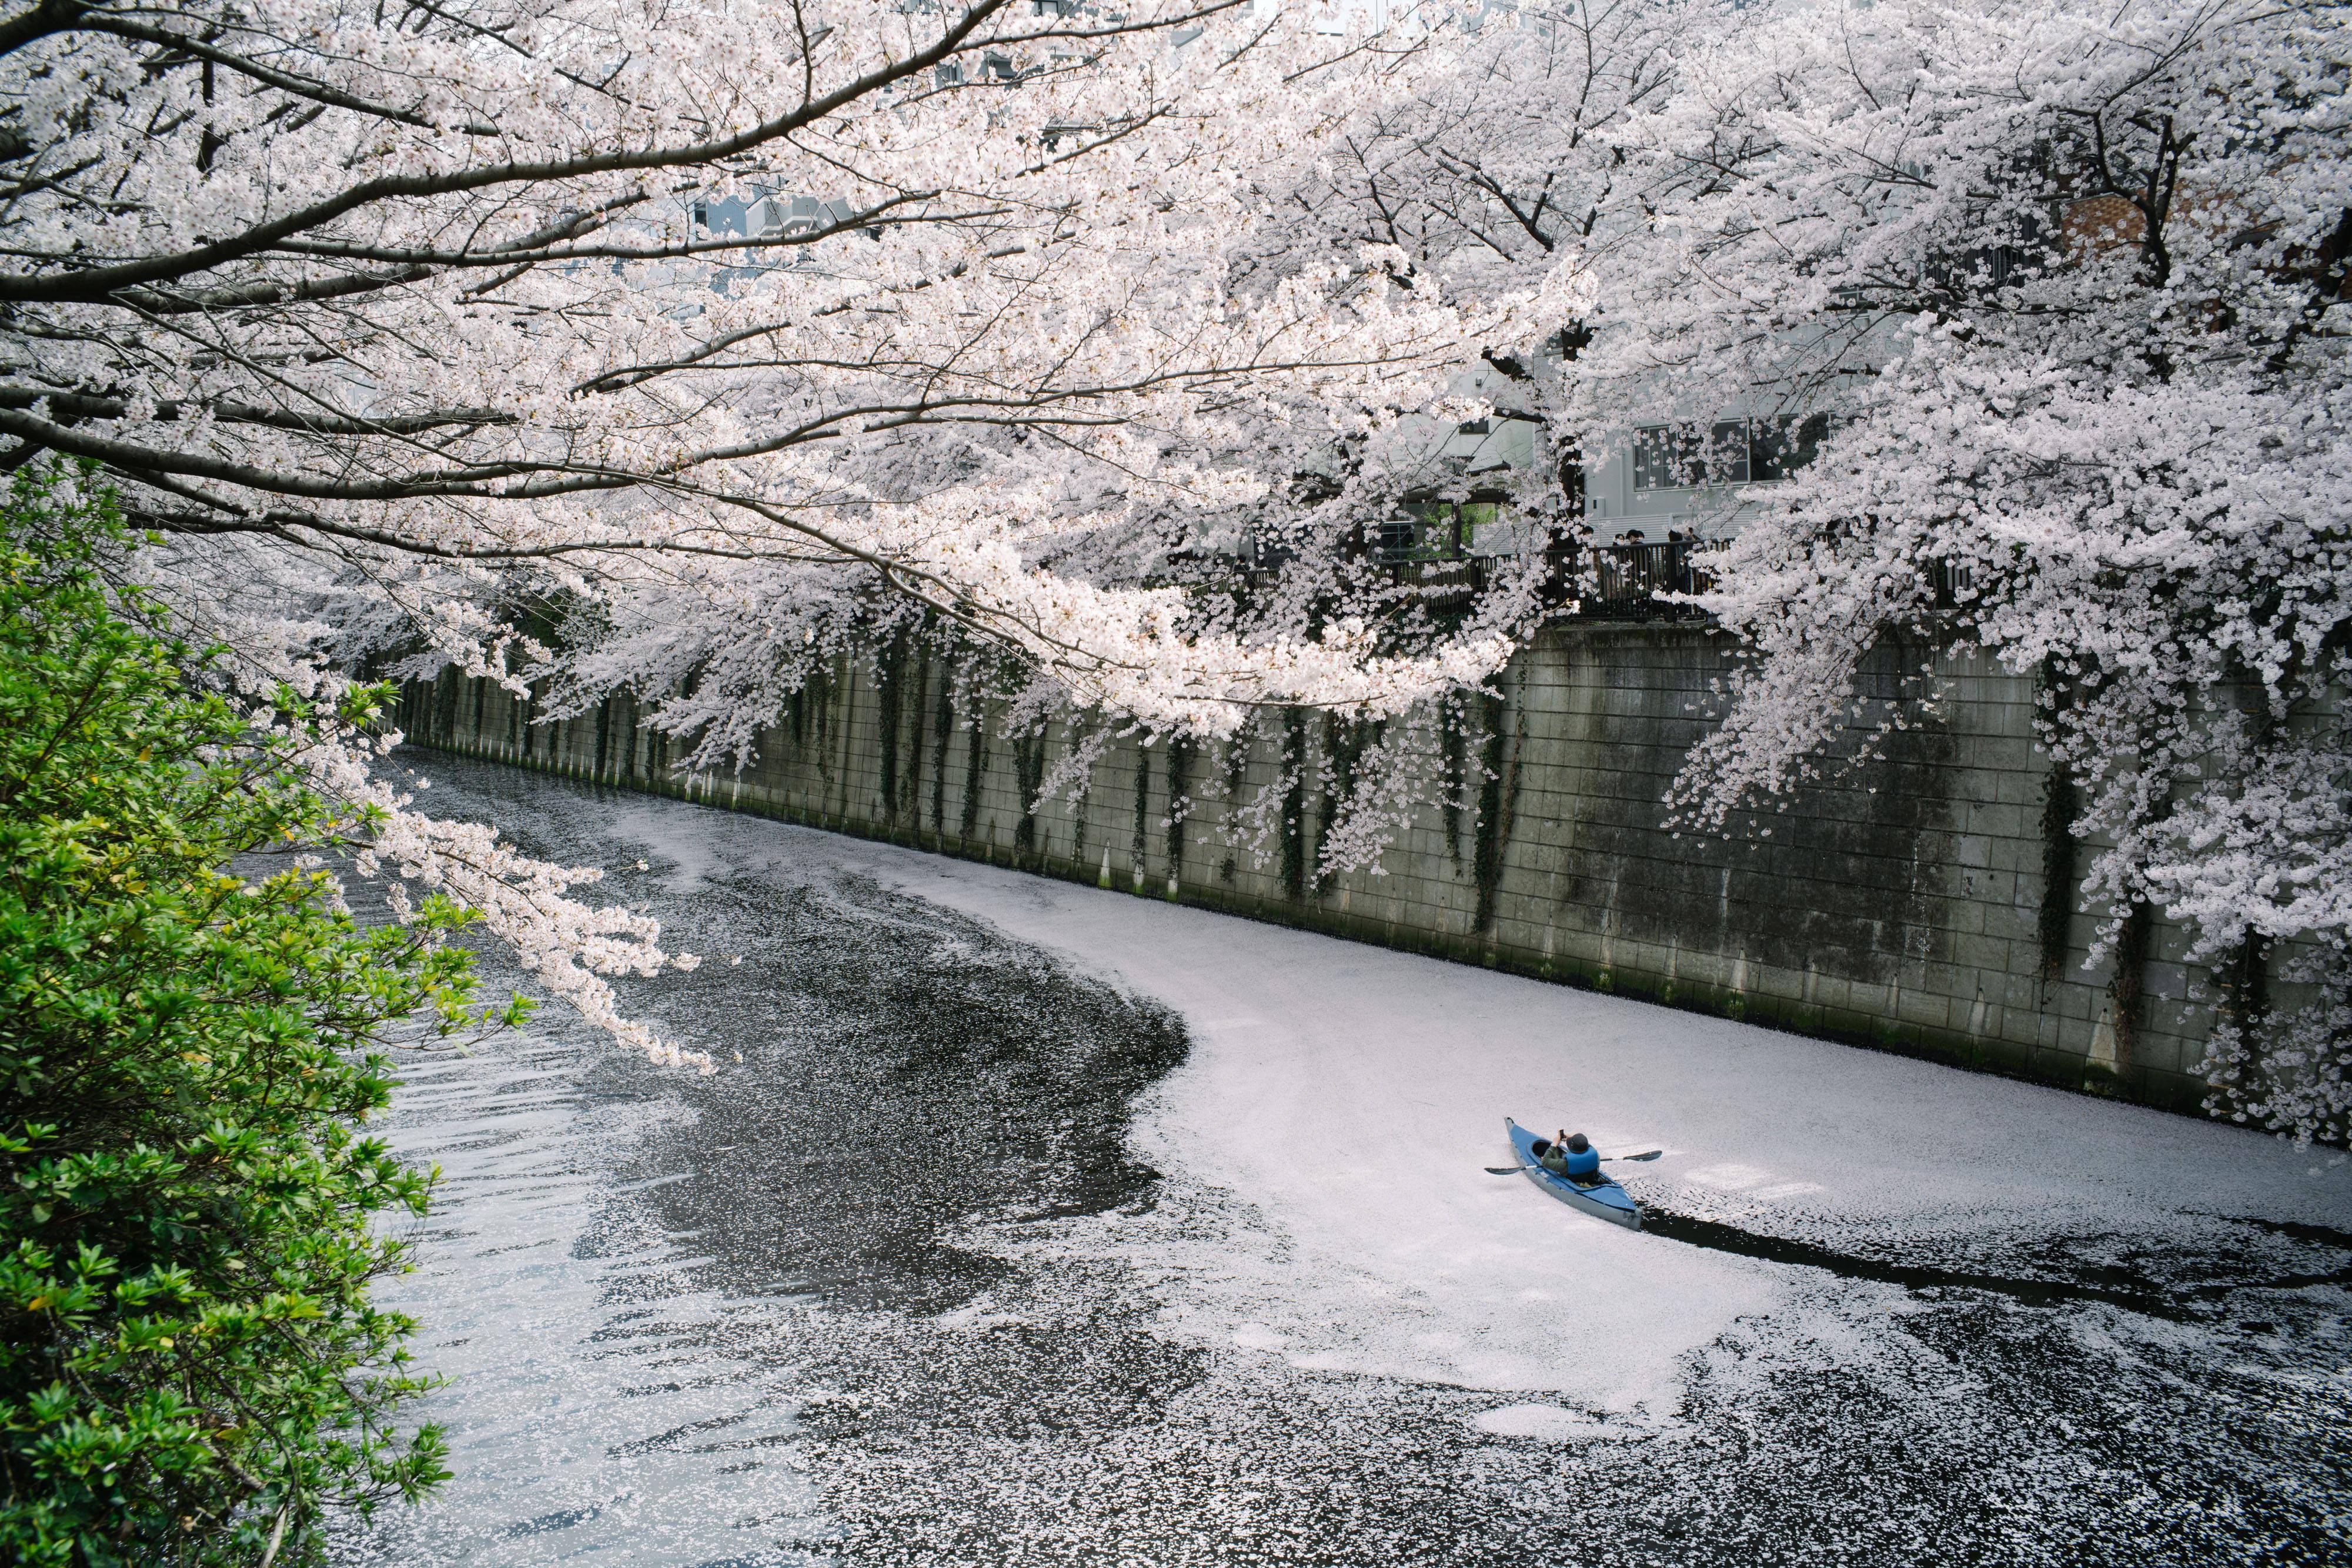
(190, 1369)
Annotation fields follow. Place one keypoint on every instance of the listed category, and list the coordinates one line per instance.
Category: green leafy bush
(190, 1369)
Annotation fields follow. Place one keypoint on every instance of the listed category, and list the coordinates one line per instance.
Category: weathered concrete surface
(1898, 904)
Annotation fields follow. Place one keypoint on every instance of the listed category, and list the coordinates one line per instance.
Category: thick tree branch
(96, 283)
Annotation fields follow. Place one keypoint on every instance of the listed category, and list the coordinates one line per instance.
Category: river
(931, 1272)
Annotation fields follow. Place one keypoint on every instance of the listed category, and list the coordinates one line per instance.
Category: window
(1420, 530)
(1781, 446)
(1729, 451)
(1666, 456)
(1398, 537)
(1726, 452)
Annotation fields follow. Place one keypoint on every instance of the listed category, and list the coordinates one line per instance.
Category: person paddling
(1570, 1155)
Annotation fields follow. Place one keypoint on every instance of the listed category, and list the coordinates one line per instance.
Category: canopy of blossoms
(2071, 281)
(604, 343)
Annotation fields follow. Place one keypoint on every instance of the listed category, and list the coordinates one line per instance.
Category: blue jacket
(1560, 1160)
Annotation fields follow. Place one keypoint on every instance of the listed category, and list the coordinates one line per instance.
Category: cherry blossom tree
(417, 300)
(715, 323)
(2073, 281)
(720, 338)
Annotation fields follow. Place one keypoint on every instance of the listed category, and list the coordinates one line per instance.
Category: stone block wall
(1899, 903)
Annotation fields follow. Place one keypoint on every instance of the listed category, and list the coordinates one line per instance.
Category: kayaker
(1570, 1155)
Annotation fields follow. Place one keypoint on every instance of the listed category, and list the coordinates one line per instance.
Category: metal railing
(1627, 579)
(1600, 583)
(1605, 583)
(1593, 582)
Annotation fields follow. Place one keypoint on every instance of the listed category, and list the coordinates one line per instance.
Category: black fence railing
(1591, 582)
(1627, 579)
(1598, 582)
(1605, 583)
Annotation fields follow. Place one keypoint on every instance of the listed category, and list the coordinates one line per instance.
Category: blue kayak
(1604, 1200)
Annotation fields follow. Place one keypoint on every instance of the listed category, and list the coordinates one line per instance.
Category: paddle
(1514, 1170)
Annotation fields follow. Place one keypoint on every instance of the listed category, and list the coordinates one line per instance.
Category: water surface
(893, 1290)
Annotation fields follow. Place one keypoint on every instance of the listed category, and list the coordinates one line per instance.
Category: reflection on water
(589, 1368)
(891, 1291)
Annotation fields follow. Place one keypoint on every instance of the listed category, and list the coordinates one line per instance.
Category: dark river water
(809, 1310)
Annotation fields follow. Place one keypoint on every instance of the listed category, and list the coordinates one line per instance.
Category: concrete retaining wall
(1901, 906)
